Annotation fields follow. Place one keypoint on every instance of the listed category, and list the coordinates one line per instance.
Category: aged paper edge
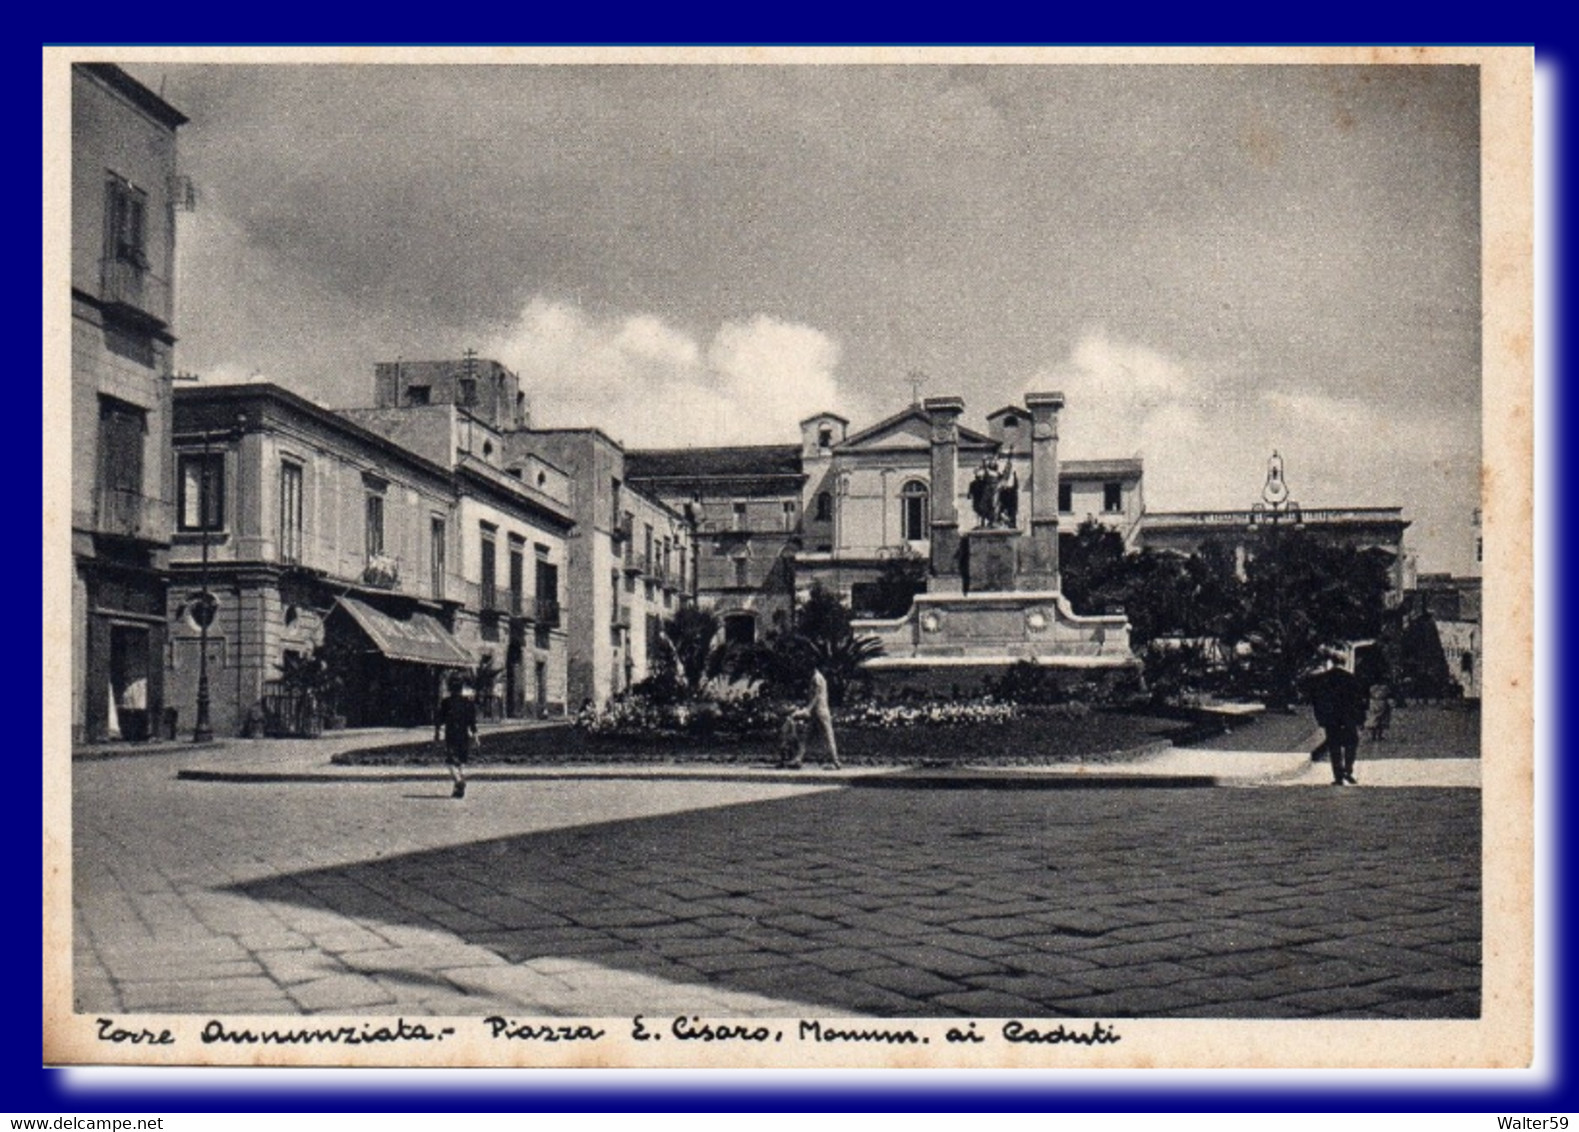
(1502, 1038)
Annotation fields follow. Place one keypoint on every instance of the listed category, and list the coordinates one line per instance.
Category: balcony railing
(382, 572)
(733, 526)
(622, 614)
(1245, 518)
(126, 284)
(131, 514)
(547, 611)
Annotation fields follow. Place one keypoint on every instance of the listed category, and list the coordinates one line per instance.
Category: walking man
(457, 719)
(1340, 705)
(820, 716)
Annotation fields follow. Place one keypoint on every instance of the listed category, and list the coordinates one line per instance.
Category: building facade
(514, 519)
(124, 172)
(311, 532)
(1364, 528)
(630, 561)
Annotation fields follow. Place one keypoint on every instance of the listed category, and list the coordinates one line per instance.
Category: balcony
(743, 528)
(546, 610)
(130, 514)
(382, 572)
(622, 615)
(130, 289)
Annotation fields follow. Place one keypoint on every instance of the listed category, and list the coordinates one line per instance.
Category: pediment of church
(906, 430)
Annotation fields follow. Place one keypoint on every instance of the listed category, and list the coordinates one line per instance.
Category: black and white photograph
(869, 557)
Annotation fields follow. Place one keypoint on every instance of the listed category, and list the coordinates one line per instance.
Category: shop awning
(419, 638)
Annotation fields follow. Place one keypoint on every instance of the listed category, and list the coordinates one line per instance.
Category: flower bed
(891, 735)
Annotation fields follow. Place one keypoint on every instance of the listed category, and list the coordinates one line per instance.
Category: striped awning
(419, 639)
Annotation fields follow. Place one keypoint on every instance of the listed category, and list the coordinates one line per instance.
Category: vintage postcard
(788, 557)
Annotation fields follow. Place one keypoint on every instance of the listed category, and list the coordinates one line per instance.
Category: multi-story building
(746, 508)
(123, 174)
(623, 557)
(308, 529)
(630, 561)
(513, 518)
(1238, 531)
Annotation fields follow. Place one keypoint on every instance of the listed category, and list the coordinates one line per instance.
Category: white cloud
(1206, 436)
(648, 383)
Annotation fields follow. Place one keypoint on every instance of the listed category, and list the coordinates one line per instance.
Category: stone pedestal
(991, 560)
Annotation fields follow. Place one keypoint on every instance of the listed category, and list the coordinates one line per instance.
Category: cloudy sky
(1211, 262)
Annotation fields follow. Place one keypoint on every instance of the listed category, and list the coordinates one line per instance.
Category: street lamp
(206, 604)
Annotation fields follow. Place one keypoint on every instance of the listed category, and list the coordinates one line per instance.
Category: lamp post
(206, 605)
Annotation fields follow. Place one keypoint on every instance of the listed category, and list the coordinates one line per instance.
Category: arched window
(824, 507)
(740, 628)
(913, 511)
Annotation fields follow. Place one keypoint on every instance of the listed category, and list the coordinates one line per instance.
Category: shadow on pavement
(1133, 903)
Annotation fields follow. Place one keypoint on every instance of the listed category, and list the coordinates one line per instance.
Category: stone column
(943, 413)
(1039, 554)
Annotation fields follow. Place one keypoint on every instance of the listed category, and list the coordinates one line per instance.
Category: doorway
(128, 689)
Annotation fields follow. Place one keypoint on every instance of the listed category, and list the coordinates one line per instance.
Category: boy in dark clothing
(457, 719)
(1340, 704)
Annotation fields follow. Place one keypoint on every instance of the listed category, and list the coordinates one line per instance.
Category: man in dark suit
(1340, 704)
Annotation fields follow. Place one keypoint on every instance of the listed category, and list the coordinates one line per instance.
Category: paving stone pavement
(571, 897)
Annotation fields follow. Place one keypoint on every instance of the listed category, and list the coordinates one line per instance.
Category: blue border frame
(29, 1087)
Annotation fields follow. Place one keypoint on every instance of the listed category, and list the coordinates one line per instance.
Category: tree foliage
(1297, 595)
(819, 636)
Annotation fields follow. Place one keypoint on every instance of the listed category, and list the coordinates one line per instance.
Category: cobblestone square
(560, 897)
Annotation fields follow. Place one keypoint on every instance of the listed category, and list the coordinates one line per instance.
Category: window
(468, 392)
(913, 511)
(824, 438)
(436, 554)
(202, 491)
(517, 573)
(126, 230)
(824, 507)
(1480, 548)
(488, 567)
(1066, 497)
(375, 525)
(740, 516)
(1112, 497)
(547, 588)
(742, 571)
(646, 547)
(419, 394)
(614, 494)
(789, 515)
(121, 431)
(290, 512)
